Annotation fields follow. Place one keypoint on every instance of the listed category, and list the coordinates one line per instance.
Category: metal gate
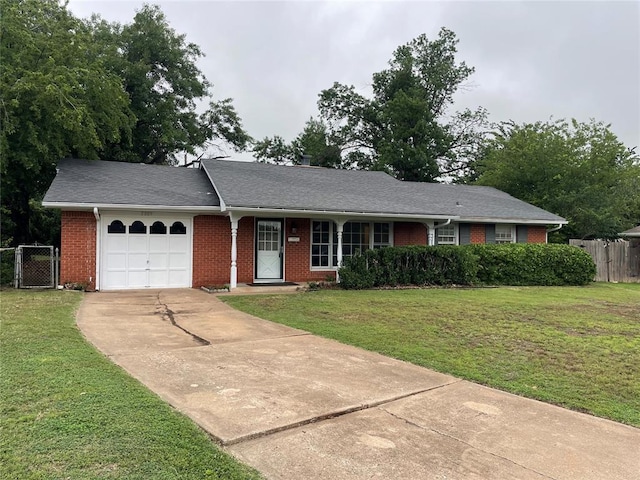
(36, 267)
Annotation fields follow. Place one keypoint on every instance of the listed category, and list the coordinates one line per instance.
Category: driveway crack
(423, 427)
(168, 314)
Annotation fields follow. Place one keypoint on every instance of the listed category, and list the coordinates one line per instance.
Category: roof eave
(335, 213)
(119, 206)
(520, 221)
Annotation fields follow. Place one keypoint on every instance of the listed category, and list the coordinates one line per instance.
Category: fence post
(16, 268)
(57, 279)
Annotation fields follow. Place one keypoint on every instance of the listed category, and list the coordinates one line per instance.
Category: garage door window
(116, 227)
(138, 227)
(178, 228)
(158, 228)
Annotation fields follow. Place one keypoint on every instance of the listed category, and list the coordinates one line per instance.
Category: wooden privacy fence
(616, 261)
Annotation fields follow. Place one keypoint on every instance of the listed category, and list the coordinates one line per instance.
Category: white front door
(269, 250)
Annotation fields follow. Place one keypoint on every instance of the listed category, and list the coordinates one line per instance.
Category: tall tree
(313, 141)
(403, 128)
(94, 90)
(580, 171)
(159, 73)
(57, 99)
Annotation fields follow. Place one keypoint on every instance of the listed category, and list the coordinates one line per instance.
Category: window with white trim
(505, 233)
(447, 235)
(356, 238)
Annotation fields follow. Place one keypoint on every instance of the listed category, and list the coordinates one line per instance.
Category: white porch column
(233, 281)
(431, 233)
(339, 230)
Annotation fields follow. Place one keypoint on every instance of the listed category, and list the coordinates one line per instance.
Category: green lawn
(578, 347)
(67, 412)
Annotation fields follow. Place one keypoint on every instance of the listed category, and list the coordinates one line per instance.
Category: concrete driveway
(297, 406)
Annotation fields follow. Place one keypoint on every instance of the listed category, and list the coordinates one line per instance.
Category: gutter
(555, 229)
(333, 213)
(108, 206)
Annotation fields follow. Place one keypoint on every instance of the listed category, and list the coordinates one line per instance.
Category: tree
(92, 90)
(57, 99)
(159, 73)
(580, 171)
(314, 141)
(402, 129)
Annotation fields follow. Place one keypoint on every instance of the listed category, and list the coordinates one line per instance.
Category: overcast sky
(534, 60)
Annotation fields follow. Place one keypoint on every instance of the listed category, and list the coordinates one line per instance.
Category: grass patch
(578, 347)
(67, 412)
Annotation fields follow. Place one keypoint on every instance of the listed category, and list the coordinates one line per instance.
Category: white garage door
(145, 252)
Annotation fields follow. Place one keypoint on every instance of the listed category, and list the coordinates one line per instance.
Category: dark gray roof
(258, 185)
(95, 182)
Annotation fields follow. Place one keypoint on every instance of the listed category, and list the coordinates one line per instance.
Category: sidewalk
(296, 406)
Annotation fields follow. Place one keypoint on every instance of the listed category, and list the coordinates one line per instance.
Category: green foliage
(159, 74)
(504, 264)
(532, 264)
(7, 266)
(58, 99)
(402, 129)
(95, 90)
(414, 265)
(580, 171)
(314, 141)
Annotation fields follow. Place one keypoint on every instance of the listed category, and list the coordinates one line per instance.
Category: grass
(68, 412)
(578, 347)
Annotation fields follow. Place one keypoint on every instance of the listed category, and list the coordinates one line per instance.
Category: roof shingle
(97, 182)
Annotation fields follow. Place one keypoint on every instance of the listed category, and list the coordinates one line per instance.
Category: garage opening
(146, 253)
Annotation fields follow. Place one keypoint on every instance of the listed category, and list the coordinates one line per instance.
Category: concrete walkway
(297, 406)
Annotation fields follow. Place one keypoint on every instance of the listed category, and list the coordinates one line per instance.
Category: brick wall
(298, 254)
(478, 233)
(409, 233)
(536, 234)
(212, 250)
(78, 249)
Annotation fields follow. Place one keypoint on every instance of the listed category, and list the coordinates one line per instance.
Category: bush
(532, 264)
(7, 266)
(509, 264)
(392, 266)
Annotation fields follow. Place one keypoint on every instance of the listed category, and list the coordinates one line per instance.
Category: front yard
(67, 412)
(578, 347)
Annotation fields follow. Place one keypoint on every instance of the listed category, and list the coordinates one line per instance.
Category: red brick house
(131, 226)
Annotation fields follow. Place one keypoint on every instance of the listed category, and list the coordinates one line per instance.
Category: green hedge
(507, 264)
(533, 264)
(391, 266)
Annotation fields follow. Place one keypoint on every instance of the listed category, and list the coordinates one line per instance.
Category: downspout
(431, 231)
(97, 215)
(549, 230)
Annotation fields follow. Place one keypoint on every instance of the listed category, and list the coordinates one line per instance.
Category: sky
(534, 60)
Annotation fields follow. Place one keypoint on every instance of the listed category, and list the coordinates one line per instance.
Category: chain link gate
(36, 266)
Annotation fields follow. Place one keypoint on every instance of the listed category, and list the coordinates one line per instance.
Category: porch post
(233, 282)
(339, 230)
(431, 233)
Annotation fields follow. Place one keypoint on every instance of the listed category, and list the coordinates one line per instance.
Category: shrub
(7, 264)
(532, 264)
(415, 265)
(508, 264)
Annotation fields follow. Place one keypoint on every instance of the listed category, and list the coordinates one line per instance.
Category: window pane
(137, 227)
(116, 227)
(178, 228)
(158, 228)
